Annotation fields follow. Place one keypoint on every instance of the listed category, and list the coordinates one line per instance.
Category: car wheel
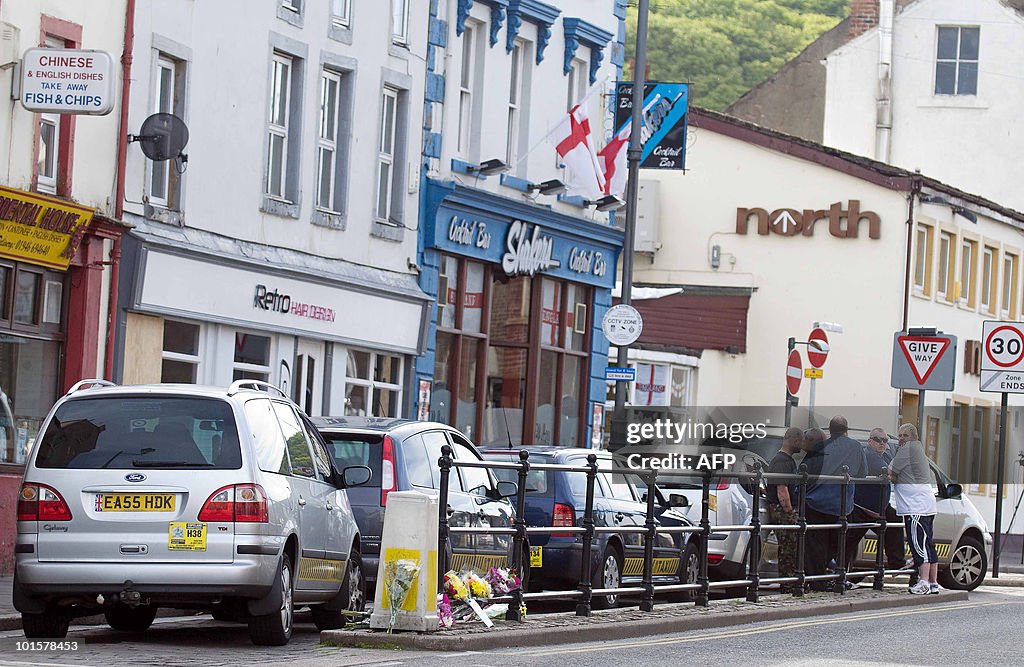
(608, 575)
(275, 628)
(967, 566)
(351, 597)
(127, 619)
(689, 571)
(45, 626)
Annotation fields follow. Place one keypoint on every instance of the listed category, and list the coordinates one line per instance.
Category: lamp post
(633, 155)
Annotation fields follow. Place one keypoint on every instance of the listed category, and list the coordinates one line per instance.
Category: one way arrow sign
(923, 361)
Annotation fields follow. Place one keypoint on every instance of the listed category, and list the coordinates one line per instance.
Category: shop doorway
(308, 387)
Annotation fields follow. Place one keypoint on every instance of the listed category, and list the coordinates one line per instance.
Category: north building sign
(842, 223)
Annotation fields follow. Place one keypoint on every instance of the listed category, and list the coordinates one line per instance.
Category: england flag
(571, 138)
(613, 162)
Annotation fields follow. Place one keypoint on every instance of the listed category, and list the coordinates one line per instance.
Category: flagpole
(632, 191)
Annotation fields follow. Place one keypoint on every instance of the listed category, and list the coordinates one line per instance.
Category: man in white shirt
(914, 492)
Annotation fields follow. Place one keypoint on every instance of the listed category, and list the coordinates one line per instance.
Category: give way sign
(923, 361)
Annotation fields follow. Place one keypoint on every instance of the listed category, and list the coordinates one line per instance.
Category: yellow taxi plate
(134, 502)
(536, 556)
(186, 536)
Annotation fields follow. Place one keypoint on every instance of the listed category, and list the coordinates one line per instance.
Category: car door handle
(330, 507)
(302, 501)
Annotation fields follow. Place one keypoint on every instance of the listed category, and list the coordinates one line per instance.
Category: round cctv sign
(622, 324)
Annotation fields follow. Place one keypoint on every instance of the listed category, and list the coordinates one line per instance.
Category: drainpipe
(883, 102)
(915, 192)
(122, 153)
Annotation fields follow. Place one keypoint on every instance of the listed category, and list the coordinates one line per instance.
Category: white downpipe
(883, 100)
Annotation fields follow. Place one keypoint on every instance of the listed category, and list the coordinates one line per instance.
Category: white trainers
(920, 588)
(933, 589)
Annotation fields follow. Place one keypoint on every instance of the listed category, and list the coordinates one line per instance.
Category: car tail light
(723, 483)
(38, 502)
(563, 515)
(715, 559)
(243, 503)
(388, 483)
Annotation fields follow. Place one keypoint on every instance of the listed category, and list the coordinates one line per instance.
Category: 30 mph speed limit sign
(1002, 362)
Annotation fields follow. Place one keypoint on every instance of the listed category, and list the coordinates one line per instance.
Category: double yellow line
(750, 631)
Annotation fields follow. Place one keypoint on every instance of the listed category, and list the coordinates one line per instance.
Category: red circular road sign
(794, 373)
(816, 355)
(1004, 347)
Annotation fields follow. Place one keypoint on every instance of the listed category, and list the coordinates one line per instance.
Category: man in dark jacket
(870, 499)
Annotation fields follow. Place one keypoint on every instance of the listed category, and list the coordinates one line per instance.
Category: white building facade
(810, 235)
(284, 247)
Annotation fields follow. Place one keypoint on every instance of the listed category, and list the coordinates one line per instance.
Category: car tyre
(49, 625)
(352, 597)
(607, 575)
(127, 619)
(275, 629)
(967, 566)
(689, 571)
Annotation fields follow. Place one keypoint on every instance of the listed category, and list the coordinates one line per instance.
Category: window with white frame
(373, 384)
(577, 80)
(988, 269)
(327, 141)
(252, 357)
(386, 154)
(515, 95)
(49, 137)
(278, 126)
(944, 275)
(400, 21)
(467, 84)
(956, 61)
(968, 268)
(923, 260)
(341, 12)
(163, 181)
(1007, 302)
(293, 5)
(180, 357)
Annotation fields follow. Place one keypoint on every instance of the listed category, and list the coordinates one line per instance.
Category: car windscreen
(152, 432)
(539, 483)
(357, 449)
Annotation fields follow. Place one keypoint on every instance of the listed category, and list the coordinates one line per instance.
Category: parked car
(403, 456)
(962, 539)
(558, 498)
(140, 497)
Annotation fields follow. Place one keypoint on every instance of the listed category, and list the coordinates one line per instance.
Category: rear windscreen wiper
(169, 464)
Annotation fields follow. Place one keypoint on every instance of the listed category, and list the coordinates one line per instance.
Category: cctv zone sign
(842, 222)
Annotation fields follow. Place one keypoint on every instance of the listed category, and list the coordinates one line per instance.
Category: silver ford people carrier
(148, 496)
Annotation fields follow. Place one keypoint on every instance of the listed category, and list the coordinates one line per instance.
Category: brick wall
(863, 16)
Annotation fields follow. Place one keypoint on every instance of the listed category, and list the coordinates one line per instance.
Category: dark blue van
(558, 498)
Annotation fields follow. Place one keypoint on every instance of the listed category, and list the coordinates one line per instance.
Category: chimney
(863, 16)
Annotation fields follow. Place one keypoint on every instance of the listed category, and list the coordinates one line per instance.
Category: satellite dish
(163, 136)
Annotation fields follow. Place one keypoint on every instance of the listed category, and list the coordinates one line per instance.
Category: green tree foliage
(725, 47)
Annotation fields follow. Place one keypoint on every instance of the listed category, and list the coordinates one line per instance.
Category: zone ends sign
(71, 81)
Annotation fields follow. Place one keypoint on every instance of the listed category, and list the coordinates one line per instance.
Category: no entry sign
(794, 373)
(1002, 363)
(817, 349)
(923, 361)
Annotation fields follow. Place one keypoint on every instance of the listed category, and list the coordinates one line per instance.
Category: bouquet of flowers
(502, 581)
(479, 588)
(399, 576)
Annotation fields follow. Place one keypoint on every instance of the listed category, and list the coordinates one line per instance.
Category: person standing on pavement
(784, 503)
(914, 491)
(825, 501)
(870, 499)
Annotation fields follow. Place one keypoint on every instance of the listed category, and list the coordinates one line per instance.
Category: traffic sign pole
(1000, 472)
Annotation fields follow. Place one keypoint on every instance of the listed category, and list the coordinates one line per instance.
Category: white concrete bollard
(410, 532)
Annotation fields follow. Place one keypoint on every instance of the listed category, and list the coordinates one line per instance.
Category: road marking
(46, 664)
(787, 625)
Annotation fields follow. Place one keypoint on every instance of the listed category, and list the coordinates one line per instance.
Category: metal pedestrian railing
(753, 582)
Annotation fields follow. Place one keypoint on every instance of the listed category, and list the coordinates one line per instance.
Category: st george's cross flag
(573, 143)
(613, 162)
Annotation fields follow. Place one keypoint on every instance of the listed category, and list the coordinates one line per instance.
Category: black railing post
(586, 587)
(514, 612)
(445, 463)
(705, 533)
(647, 601)
(880, 533)
(754, 550)
(844, 522)
(801, 543)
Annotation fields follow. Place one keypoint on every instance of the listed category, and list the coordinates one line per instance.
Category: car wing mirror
(355, 475)
(954, 490)
(678, 500)
(507, 489)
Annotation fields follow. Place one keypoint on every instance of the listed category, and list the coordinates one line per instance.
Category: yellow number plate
(134, 502)
(536, 556)
(186, 536)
